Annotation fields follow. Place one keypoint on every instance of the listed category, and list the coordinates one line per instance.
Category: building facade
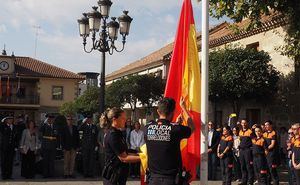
(33, 88)
(267, 38)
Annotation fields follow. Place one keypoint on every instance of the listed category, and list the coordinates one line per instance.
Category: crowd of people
(253, 153)
(36, 148)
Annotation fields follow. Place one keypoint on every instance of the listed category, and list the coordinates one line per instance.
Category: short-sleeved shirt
(296, 150)
(226, 141)
(245, 137)
(163, 146)
(269, 136)
(258, 146)
(114, 145)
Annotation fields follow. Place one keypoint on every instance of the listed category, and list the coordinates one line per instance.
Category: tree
(146, 89)
(237, 10)
(68, 108)
(237, 73)
(88, 102)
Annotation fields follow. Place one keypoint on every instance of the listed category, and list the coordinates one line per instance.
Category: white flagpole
(204, 92)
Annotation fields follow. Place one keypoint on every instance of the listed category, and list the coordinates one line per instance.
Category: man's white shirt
(136, 139)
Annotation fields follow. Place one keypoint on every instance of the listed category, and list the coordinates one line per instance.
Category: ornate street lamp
(96, 21)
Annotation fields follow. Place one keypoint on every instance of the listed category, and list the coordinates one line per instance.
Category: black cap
(49, 115)
(89, 116)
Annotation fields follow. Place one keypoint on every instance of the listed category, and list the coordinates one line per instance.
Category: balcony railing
(14, 99)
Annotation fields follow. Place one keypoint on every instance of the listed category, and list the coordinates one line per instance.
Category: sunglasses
(291, 133)
(69, 119)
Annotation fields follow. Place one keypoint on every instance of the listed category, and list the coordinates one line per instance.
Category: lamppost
(91, 23)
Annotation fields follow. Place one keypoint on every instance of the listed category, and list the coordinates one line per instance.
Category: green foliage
(67, 109)
(89, 101)
(237, 73)
(237, 10)
(144, 88)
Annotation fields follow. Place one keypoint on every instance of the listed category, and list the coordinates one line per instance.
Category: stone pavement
(87, 182)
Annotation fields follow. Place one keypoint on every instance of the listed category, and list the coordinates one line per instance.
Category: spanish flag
(184, 81)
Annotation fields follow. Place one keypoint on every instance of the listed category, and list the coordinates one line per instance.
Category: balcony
(21, 100)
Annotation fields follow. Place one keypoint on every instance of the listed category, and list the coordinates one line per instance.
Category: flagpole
(204, 92)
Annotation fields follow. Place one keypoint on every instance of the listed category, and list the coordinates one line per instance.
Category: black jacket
(215, 141)
(70, 141)
(8, 137)
(49, 136)
(89, 136)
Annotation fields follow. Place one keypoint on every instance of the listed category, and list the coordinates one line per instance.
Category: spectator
(236, 154)
(283, 137)
(29, 145)
(89, 145)
(70, 145)
(49, 136)
(296, 158)
(270, 137)
(213, 142)
(225, 154)
(259, 157)
(8, 146)
(289, 156)
(136, 141)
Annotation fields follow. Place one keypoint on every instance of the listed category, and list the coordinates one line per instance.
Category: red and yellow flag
(7, 87)
(184, 81)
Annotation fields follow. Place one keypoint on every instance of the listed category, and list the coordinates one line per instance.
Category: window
(253, 116)
(21, 92)
(57, 92)
(254, 46)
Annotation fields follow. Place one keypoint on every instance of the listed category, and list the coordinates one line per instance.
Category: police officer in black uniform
(272, 151)
(49, 136)
(8, 146)
(259, 157)
(163, 143)
(89, 145)
(115, 146)
(246, 159)
(226, 156)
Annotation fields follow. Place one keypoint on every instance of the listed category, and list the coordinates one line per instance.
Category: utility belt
(181, 178)
(49, 137)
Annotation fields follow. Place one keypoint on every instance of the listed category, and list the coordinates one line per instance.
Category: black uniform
(163, 147)
(272, 156)
(8, 145)
(246, 159)
(88, 145)
(49, 137)
(114, 145)
(226, 162)
(296, 152)
(259, 160)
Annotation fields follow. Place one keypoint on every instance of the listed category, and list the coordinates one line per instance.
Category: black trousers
(212, 165)
(261, 168)
(236, 167)
(161, 180)
(7, 159)
(297, 174)
(226, 165)
(122, 179)
(48, 162)
(89, 160)
(28, 164)
(272, 164)
(135, 169)
(246, 166)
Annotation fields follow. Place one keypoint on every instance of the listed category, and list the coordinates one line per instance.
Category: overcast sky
(58, 43)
